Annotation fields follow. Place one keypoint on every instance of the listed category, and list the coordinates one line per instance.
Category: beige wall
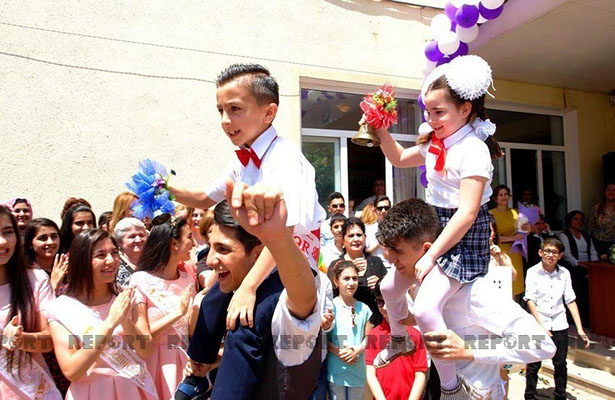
(69, 131)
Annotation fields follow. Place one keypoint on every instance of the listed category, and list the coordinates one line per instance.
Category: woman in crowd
(368, 215)
(382, 205)
(205, 275)
(22, 211)
(167, 292)
(104, 220)
(507, 220)
(25, 294)
(370, 268)
(78, 218)
(130, 235)
(602, 221)
(41, 249)
(347, 338)
(100, 337)
(199, 241)
(121, 208)
(71, 201)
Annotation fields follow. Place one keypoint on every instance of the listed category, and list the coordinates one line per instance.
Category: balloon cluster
(458, 26)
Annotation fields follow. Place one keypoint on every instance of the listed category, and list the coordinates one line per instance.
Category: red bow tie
(245, 155)
(437, 147)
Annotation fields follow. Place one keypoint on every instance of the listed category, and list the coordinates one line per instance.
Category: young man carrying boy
(485, 330)
(548, 291)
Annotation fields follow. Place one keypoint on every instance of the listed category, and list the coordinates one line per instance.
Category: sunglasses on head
(383, 208)
(163, 219)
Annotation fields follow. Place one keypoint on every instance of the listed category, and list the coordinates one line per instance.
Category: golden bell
(366, 137)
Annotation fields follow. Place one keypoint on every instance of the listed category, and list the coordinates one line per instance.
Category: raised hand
(11, 335)
(423, 266)
(120, 308)
(372, 281)
(58, 270)
(327, 319)
(185, 302)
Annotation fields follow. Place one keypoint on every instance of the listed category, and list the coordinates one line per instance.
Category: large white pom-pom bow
(469, 76)
(483, 129)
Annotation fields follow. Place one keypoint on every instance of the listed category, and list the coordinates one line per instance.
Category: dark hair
(157, 249)
(71, 201)
(551, 241)
(349, 223)
(541, 217)
(80, 276)
(378, 199)
(602, 203)
(21, 201)
(571, 215)
(334, 196)
(337, 217)
(411, 219)
(263, 86)
(31, 231)
(223, 217)
(497, 189)
(21, 298)
(340, 266)
(478, 111)
(66, 230)
(105, 218)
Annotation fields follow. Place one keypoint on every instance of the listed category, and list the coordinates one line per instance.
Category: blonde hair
(368, 215)
(121, 204)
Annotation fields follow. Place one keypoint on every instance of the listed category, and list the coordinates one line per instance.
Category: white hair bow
(483, 129)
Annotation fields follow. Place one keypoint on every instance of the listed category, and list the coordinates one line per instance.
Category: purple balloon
(453, 26)
(467, 15)
(432, 52)
(420, 101)
(424, 181)
(488, 13)
(450, 11)
(461, 51)
(443, 60)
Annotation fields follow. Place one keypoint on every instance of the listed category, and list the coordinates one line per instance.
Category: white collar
(457, 136)
(262, 143)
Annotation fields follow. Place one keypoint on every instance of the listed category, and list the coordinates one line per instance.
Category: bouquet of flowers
(380, 108)
(150, 184)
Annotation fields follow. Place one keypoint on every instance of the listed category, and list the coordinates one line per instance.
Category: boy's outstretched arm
(191, 198)
(574, 311)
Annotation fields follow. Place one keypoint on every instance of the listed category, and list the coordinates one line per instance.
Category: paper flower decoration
(150, 184)
(380, 108)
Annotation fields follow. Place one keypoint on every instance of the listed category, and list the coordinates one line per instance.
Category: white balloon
(467, 35)
(440, 24)
(472, 2)
(313, 95)
(425, 128)
(481, 19)
(492, 4)
(429, 66)
(458, 3)
(449, 43)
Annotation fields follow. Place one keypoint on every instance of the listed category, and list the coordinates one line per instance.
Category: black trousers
(560, 338)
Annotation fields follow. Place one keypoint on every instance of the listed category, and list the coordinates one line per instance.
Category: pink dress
(43, 295)
(162, 296)
(100, 381)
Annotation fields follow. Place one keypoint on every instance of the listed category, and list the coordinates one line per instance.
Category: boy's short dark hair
(553, 242)
(337, 217)
(263, 86)
(223, 217)
(378, 199)
(335, 195)
(411, 219)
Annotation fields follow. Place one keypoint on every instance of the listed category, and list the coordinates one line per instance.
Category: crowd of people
(249, 292)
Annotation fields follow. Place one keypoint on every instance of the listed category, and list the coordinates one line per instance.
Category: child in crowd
(247, 100)
(548, 291)
(457, 152)
(347, 340)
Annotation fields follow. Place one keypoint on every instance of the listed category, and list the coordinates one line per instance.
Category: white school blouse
(282, 166)
(466, 156)
(551, 292)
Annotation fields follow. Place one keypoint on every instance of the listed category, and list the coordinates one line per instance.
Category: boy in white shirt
(548, 290)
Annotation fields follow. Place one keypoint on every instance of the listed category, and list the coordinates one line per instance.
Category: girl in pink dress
(24, 295)
(167, 293)
(101, 338)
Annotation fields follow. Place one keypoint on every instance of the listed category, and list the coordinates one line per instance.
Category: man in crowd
(336, 206)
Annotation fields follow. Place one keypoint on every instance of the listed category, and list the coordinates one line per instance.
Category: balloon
(492, 4)
(313, 95)
(450, 10)
(440, 24)
(491, 14)
(429, 66)
(466, 16)
(449, 43)
(467, 35)
(481, 19)
(420, 101)
(432, 52)
(443, 60)
(457, 3)
(461, 51)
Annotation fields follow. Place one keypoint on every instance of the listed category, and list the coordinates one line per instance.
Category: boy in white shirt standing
(548, 290)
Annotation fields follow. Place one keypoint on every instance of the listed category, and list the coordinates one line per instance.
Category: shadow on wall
(379, 8)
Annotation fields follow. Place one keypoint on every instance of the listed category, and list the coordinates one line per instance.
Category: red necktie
(437, 147)
(244, 156)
